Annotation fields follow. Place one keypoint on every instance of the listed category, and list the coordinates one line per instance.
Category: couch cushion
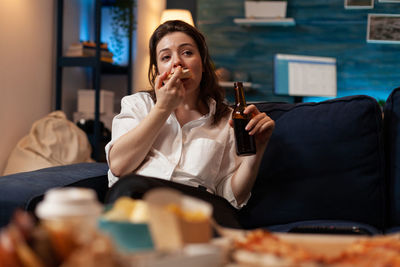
(392, 150)
(324, 162)
(24, 190)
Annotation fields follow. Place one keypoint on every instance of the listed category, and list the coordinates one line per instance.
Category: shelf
(246, 85)
(265, 21)
(106, 68)
(108, 2)
(77, 62)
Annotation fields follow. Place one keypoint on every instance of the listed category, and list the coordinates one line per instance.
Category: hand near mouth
(185, 74)
(169, 92)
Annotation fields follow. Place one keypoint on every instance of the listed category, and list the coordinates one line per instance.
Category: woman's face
(179, 49)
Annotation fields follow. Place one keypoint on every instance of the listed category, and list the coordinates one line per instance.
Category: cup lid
(67, 202)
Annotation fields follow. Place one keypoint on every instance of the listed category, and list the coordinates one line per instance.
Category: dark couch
(330, 167)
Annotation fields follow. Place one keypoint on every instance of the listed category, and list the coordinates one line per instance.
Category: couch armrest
(24, 190)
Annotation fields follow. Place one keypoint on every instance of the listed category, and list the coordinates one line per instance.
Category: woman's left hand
(261, 126)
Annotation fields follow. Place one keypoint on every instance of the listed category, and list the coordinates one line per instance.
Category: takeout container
(128, 236)
(171, 231)
(126, 222)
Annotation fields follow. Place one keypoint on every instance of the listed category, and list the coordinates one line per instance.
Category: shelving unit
(265, 21)
(97, 66)
(248, 86)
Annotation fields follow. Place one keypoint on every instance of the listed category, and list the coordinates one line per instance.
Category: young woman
(180, 133)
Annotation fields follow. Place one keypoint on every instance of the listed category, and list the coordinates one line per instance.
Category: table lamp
(177, 14)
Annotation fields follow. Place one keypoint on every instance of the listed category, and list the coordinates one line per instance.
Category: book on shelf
(86, 49)
(93, 44)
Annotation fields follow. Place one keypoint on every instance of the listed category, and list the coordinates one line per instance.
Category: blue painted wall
(87, 10)
(323, 28)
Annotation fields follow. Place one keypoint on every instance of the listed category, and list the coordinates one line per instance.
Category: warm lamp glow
(177, 14)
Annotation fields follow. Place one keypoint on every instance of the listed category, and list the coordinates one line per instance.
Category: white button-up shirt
(197, 153)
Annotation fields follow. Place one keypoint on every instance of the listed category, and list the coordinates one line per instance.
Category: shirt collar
(211, 109)
(211, 106)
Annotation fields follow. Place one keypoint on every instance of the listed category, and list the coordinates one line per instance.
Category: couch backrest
(392, 151)
(324, 161)
(24, 190)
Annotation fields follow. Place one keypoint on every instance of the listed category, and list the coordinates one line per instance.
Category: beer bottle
(245, 143)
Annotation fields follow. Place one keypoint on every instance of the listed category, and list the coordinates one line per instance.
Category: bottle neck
(239, 95)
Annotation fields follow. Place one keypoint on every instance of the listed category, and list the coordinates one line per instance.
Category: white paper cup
(70, 216)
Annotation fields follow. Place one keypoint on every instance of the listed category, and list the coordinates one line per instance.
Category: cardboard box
(170, 230)
(86, 103)
(265, 9)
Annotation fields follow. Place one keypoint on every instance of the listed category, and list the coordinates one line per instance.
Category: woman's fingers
(169, 92)
(260, 122)
(256, 116)
(160, 80)
(175, 76)
(251, 109)
(263, 126)
(169, 82)
(256, 123)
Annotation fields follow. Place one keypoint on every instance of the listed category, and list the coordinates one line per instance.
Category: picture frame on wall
(358, 4)
(389, 1)
(383, 28)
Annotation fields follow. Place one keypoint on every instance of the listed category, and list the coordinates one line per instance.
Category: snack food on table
(375, 251)
(266, 249)
(100, 252)
(18, 244)
(26, 243)
(262, 248)
(188, 215)
(128, 209)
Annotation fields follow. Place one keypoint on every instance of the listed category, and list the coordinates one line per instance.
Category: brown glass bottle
(245, 143)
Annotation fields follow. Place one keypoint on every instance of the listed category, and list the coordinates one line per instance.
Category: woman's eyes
(168, 57)
(164, 58)
(187, 52)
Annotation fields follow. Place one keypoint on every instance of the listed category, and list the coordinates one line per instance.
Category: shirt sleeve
(134, 108)
(230, 163)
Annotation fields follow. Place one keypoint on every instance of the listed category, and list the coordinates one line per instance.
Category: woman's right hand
(170, 93)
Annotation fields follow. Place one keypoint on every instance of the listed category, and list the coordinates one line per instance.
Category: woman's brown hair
(209, 87)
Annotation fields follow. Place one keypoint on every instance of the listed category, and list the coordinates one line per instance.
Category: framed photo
(383, 28)
(358, 4)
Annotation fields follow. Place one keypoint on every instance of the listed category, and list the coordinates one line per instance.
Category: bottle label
(245, 143)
